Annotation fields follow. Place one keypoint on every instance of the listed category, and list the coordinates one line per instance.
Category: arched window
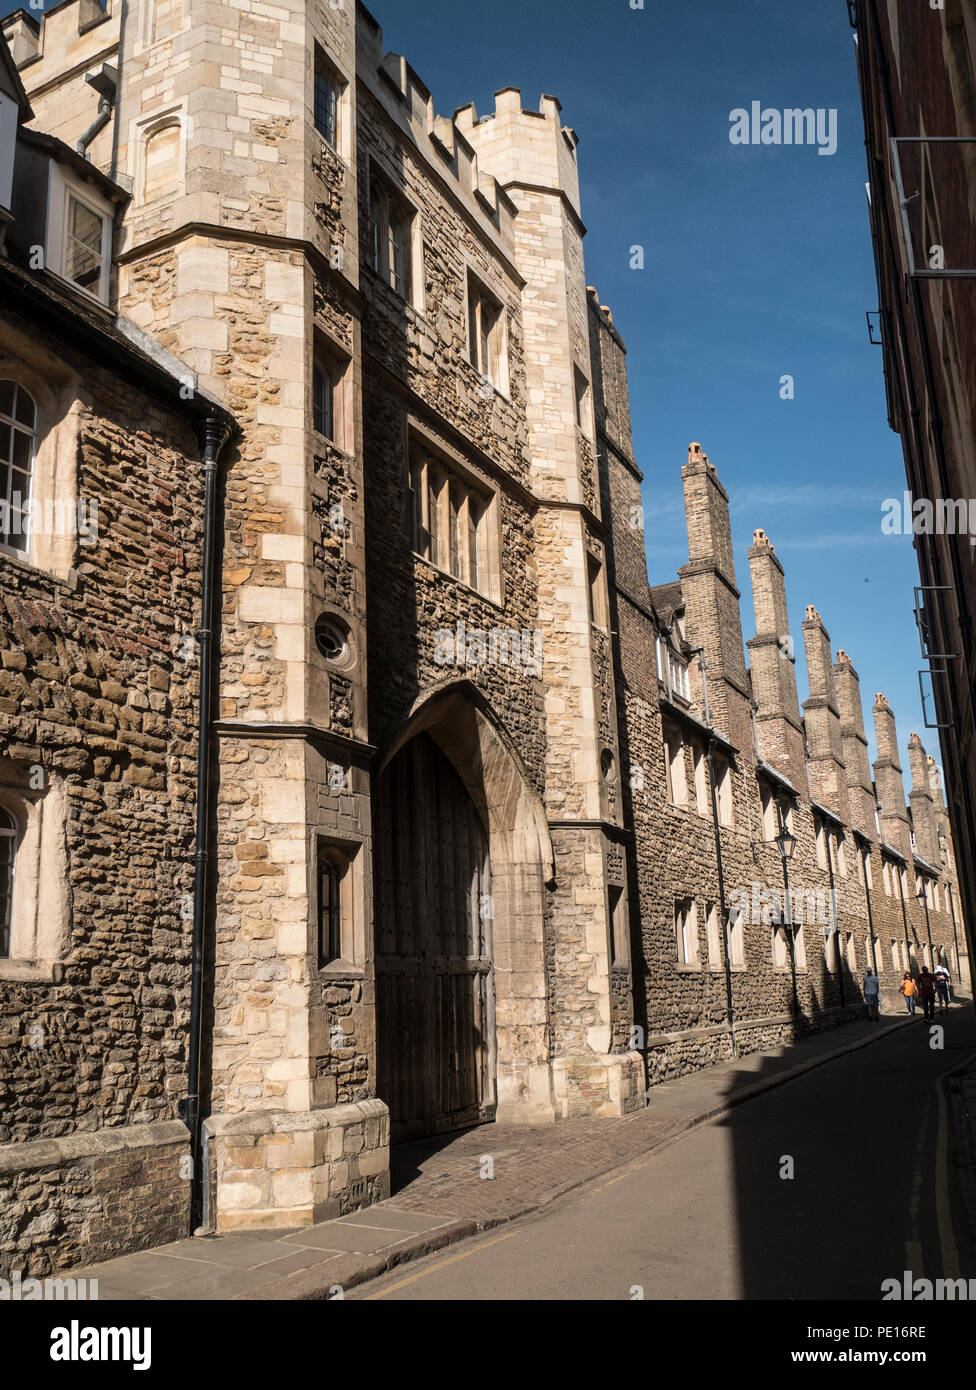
(8, 849)
(18, 417)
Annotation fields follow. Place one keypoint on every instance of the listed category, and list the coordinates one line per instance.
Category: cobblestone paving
(529, 1167)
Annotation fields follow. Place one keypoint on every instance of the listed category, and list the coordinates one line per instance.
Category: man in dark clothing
(926, 988)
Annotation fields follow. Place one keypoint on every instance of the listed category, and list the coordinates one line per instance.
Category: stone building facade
(460, 861)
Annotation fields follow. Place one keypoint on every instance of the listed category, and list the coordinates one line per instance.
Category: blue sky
(757, 265)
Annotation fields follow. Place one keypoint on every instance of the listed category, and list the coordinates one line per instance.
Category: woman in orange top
(909, 989)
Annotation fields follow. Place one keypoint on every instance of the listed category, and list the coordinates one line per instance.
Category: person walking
(909, 989)
(926, 988)
(871, 987)
(942, 983)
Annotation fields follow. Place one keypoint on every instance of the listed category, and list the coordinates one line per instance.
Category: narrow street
(710, 1216)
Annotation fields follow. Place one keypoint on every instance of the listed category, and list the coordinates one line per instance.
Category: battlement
(57, 32)
(524, 148)
(408, 100)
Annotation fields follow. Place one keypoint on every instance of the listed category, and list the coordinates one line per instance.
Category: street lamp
(923, 901)
(786, 844)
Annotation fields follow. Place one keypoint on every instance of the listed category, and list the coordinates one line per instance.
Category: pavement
(456, 1186)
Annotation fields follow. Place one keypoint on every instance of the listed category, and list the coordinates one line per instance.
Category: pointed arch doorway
(434, 964)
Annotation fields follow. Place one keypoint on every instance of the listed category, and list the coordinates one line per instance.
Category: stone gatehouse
(465, 776)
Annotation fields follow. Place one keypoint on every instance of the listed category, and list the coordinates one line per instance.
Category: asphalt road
(716, 1216)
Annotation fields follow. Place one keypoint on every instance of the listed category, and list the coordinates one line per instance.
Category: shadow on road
(837, 1175)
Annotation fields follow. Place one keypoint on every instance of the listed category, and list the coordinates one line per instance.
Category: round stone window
(331, 637)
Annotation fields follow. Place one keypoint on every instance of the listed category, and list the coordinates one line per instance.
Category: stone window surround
(723, 790)
(323, 65)
(479, 297)
(54, 481)
(736, 941)
(820, 835)
(39, 917)
(489, 546)
(346, 854)
(775, 803)
(618, 927)
(583, 398)
(674, 763)
(780, 947)
(713, 936)
(867, 871)
(596, 591)
(686, 935)
(142, 132)
(699, 768)
(392, 196)
(330, 358)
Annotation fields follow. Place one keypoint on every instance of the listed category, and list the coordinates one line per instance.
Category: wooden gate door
(434, 987)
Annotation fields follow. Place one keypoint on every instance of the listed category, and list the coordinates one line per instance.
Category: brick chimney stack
(860, 789)
(888, 779)
(827, 773)
(924, 811)
(779, 730)
(712, 619)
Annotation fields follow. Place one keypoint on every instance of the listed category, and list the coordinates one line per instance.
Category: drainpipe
(213, 433)
(105, 83)
(904, 915)
(841, 959)
(726, 926)
(867, 895)
(955, 938)
(99, 123)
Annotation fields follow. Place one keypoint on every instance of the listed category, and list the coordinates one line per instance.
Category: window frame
(326, 72)
(595, 593)
(467, 535)
(10, 421)
(736, 940)
(38, 934)
(699, 767)
(674, 757)
(583, 402)
(724, 799)
(387, 210)
(341, 863)
(61, 188)
(687, 933)
(328, 920)
(487, 347)
(329, 365)
(8, 834)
